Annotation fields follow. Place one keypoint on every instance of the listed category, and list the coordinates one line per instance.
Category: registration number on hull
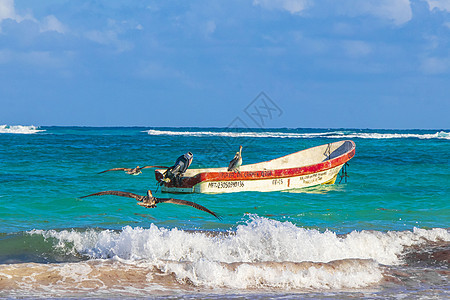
(226, 184)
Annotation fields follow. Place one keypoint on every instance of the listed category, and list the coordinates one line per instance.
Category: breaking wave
(20, 129)
(331, 134)
(240, 134)
(261, 253)
(259, 239)
(115, 277)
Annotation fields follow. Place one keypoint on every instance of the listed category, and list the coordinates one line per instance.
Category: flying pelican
(150, 202)
(133, 171)
(236, 162)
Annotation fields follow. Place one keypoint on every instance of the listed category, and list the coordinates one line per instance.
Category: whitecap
(20, 129)
(275, 134)
(260, 239)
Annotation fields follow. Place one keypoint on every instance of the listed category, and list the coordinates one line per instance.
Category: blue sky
(326, 64)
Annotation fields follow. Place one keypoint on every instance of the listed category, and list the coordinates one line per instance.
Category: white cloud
(157, 70)
(7, 10)
(397, 11)
(51, 23)
(341, 28)
(210, 27)
(292, 6)
(109, 37)
(102, 37)
(115, 35)
(435, 65)
(41, 58)
(439, 4)
(356, 48)
(44, 59)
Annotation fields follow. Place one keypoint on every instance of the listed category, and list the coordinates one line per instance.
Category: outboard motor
(175, 172)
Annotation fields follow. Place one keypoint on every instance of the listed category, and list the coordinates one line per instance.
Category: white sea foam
(20, 129)
(331, 134)
(118, 278)
(260, 253)
(260, 239)
(350, 273)
(241, 134)
(374, 135)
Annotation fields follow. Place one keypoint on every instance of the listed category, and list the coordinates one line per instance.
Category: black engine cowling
(175, 172)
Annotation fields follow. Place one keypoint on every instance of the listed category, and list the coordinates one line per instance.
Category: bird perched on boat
(132, 171)
(150, 202)
(236, 162)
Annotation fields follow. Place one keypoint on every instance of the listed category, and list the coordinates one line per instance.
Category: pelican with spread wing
(132, 171)
(150, 202)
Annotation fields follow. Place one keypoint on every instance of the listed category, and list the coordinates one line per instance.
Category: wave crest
(260, 239)
(346, 134)
(116, 278)
(20, 129)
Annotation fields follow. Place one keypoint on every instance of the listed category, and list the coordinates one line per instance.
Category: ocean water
(384, 233)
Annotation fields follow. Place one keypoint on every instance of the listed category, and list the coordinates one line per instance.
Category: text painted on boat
(277, 181)
(246, 174)
(311, 178)
(226, 184)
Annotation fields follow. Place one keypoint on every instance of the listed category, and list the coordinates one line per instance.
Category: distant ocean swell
(336, 134)
(331, 134)
(261, 253)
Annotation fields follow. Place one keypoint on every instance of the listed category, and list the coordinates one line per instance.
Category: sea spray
(259, 239)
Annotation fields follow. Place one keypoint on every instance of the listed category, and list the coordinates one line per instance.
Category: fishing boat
(309, 167)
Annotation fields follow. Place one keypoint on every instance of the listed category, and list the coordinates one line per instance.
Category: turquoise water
(398, 182)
